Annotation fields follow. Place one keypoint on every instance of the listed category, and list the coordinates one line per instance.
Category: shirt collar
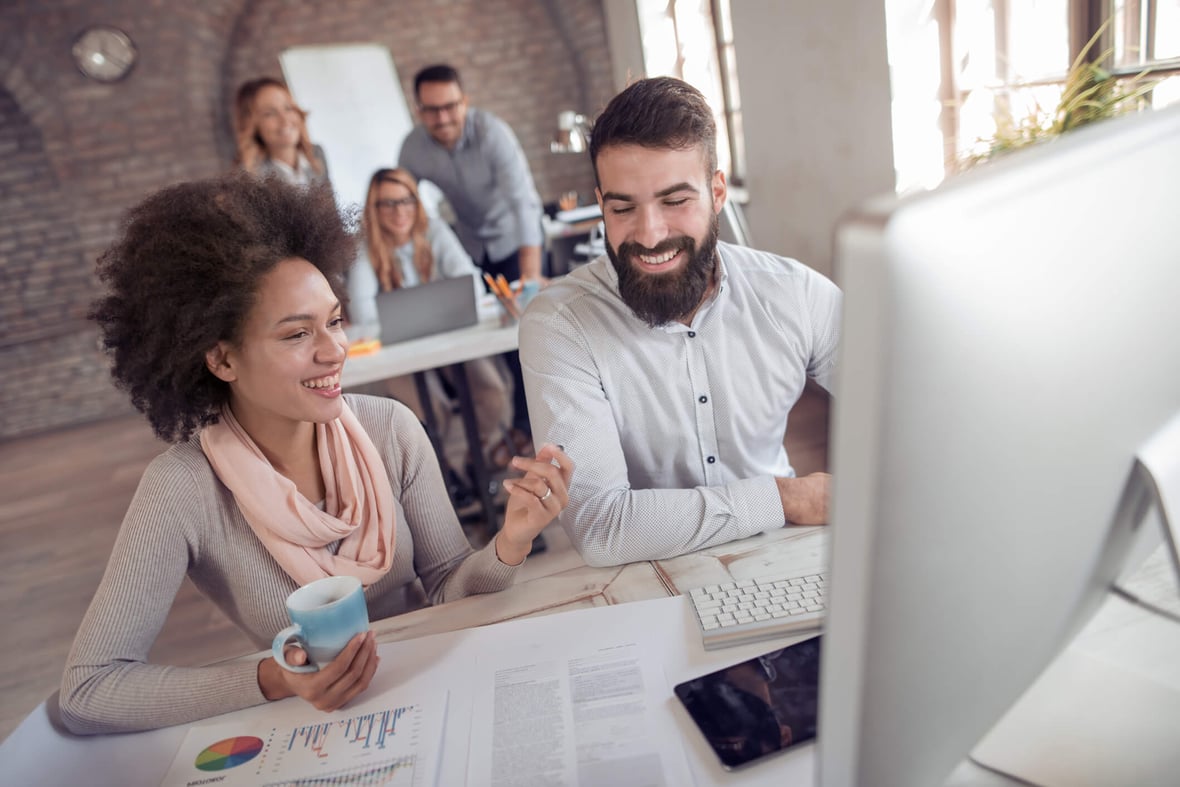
(300, 174)
(468, 135)
(710, 302)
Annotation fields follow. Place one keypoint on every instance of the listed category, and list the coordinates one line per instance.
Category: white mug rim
(295, 600)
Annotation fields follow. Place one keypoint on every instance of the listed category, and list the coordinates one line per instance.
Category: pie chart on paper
(229, 753)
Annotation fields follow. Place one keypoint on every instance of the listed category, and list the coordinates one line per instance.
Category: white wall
(625, 41)
(814, 85)
(356, 110)
(814, 82)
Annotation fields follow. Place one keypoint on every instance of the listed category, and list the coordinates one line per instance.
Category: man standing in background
(477, 162)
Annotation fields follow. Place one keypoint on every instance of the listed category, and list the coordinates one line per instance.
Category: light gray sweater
(183, 520)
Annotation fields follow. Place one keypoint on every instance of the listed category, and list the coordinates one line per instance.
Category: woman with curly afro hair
(223, 321)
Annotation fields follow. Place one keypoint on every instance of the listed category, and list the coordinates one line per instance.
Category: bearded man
(667, 368)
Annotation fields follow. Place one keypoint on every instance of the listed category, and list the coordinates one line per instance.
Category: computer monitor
(1009, 341)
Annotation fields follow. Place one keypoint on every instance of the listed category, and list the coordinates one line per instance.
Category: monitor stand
(1106, 711)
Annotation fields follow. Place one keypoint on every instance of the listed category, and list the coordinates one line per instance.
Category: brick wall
(75, 154)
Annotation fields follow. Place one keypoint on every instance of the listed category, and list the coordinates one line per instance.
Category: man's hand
(805, 500)
(333, 686)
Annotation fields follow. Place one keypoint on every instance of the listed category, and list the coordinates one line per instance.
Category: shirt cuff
(757, 502)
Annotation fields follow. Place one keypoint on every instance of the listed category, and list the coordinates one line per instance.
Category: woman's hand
(249, 151)
(533, 501)
(333, 686)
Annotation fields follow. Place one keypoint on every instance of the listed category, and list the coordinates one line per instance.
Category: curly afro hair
(184, 274)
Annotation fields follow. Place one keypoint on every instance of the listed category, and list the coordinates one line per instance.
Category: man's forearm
(530, 262)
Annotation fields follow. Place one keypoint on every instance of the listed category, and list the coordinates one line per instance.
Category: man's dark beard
(660, 298)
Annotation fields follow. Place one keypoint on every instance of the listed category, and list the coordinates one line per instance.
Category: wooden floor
(64, 496)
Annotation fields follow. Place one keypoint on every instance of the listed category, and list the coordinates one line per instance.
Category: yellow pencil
(503, 285)
(498, 289)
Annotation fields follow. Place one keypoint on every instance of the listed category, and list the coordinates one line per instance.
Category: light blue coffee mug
(325, 616)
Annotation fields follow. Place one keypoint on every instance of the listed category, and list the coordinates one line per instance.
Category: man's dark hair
(436, 73)
(660, 112)
(184, 274)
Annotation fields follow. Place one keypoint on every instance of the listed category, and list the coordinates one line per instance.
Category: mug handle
(279, 646)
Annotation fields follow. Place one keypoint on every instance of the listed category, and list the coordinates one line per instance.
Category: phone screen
(759, 707)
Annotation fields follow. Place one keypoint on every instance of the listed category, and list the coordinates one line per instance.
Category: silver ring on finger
(548, 493)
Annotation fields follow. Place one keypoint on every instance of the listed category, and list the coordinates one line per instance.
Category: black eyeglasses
(436, 110)
(394, 204)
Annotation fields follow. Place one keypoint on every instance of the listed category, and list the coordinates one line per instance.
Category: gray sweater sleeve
(443, 558)
(107, 685)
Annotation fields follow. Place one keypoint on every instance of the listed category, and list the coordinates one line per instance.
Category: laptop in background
(413, 312)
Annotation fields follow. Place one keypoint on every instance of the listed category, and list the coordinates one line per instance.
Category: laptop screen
(435, 307)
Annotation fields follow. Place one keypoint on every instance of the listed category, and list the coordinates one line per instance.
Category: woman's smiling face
(285, 367)
(278, 121)
(397, 210)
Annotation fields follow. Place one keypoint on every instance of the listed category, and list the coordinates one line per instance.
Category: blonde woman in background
(271, 134)
(403, 247)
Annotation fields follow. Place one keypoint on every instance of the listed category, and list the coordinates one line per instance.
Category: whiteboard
(356, 110)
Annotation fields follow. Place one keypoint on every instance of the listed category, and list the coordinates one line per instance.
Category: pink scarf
(358, 506)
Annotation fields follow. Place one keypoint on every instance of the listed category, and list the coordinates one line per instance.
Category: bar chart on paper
(376, 743)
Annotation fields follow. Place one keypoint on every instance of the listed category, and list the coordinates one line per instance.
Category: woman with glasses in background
(403, 247)
(271, 134)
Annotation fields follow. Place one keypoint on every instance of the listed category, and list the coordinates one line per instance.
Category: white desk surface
(446, 637)
(485, 338)
(38, 753)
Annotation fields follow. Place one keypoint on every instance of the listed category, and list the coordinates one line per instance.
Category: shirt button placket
(706, 424)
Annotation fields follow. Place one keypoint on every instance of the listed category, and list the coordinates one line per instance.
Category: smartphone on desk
(757, 708)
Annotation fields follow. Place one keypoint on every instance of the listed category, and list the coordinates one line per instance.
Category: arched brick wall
(75, 154)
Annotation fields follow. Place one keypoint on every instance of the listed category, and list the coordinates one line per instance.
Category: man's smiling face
(660, 209)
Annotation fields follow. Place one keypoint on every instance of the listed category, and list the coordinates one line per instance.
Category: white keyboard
(748, 610)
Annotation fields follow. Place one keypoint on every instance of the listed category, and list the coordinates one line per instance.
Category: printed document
(575, 717)
(390, 740)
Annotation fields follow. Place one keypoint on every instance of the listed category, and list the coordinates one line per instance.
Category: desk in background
(488, 337)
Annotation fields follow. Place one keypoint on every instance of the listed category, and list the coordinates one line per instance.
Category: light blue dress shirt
(487, 181)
